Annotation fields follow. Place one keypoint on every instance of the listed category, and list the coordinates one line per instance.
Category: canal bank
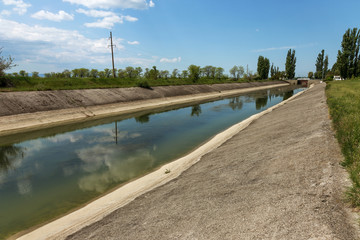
(27, 111)
(278, 178)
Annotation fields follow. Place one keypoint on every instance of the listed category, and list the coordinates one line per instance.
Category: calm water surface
(45, 177)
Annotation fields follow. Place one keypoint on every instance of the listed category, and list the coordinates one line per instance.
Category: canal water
(45, 177)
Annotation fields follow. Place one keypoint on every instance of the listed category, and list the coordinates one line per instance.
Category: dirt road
(279, 178)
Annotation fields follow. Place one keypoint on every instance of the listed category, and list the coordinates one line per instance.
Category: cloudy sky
(46, 36)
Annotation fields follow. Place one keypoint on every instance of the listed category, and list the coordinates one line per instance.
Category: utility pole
(112, 53)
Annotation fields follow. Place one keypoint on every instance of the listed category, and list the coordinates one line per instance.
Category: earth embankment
(12, 103)
(28, 111)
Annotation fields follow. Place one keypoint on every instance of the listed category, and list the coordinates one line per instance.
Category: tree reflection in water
(143, 118)
(195, 110)
(7, 156)
(236, 103)
(261, 102)
(288, 94)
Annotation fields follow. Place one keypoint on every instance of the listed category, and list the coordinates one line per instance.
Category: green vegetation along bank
(344, 102)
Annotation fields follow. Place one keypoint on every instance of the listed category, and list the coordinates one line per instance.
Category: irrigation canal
(50, 175)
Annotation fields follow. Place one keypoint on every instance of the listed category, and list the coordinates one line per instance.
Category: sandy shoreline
(45, 119)
(96, 210)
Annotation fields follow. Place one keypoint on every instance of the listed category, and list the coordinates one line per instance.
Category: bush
(6, 82)
(144, 84)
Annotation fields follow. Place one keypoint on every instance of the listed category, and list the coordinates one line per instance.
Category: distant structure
(338, 78)
(303, 81)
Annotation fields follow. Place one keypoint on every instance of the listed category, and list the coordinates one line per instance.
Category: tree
(233, 71)
(326, 66)
(153, 73)
(310, 75)
(219, 73)
(207, 71)
(164, 74)
(290, 64)
(121, 74)
(75, 73)
(23, 73)
(263, 67)
(66, 73)
(107, 72)
(274, 72)
(5, 64)
(194, 72)
(184, 74)
(321, 65)
(94, 73)
(83, 72)
(175, 73)
(130, 72)
(35, 74)
(348, 57)
(240, 72)
(138, 71)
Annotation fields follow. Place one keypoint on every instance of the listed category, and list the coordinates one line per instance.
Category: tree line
(263, 67)
(347, 63)
(193, 72)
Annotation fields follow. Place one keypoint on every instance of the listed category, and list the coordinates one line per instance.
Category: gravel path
(279, 178)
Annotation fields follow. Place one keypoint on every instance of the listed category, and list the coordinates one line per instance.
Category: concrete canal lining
(26, 111)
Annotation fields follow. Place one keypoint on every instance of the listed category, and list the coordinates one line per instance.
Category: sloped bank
(24, 111)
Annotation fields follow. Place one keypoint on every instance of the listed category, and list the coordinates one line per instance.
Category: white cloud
(20, 6)
(106, 4)
(106, 22)
(133, 42)
(145, 62)
(109, 19)
(274, 49)
(60, 16)
(95, 13)
(61, 45)
(151, 4)
(5, 13)
(172, 60)
(129, 18)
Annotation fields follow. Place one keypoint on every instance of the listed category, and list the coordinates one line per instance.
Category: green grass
(343, 98)
(40, 84)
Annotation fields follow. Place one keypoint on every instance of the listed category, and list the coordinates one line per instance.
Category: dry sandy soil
(279, 178)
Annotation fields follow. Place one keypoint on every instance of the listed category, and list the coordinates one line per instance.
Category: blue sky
(50, 36)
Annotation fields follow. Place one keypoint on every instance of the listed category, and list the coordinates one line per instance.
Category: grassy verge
(343, 98)
(37, 84)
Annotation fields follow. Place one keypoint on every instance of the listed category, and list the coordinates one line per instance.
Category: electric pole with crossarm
(112, 53)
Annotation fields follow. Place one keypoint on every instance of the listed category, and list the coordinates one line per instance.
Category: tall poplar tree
(348, 57)
(290, 64)
(321, 65)
(263, 67)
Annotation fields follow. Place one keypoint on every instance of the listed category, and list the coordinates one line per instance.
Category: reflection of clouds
(66, 137)
(95, 157)
(33, 146)
(109, 135)
(69, 170)
(118, 171)
(24, 186)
